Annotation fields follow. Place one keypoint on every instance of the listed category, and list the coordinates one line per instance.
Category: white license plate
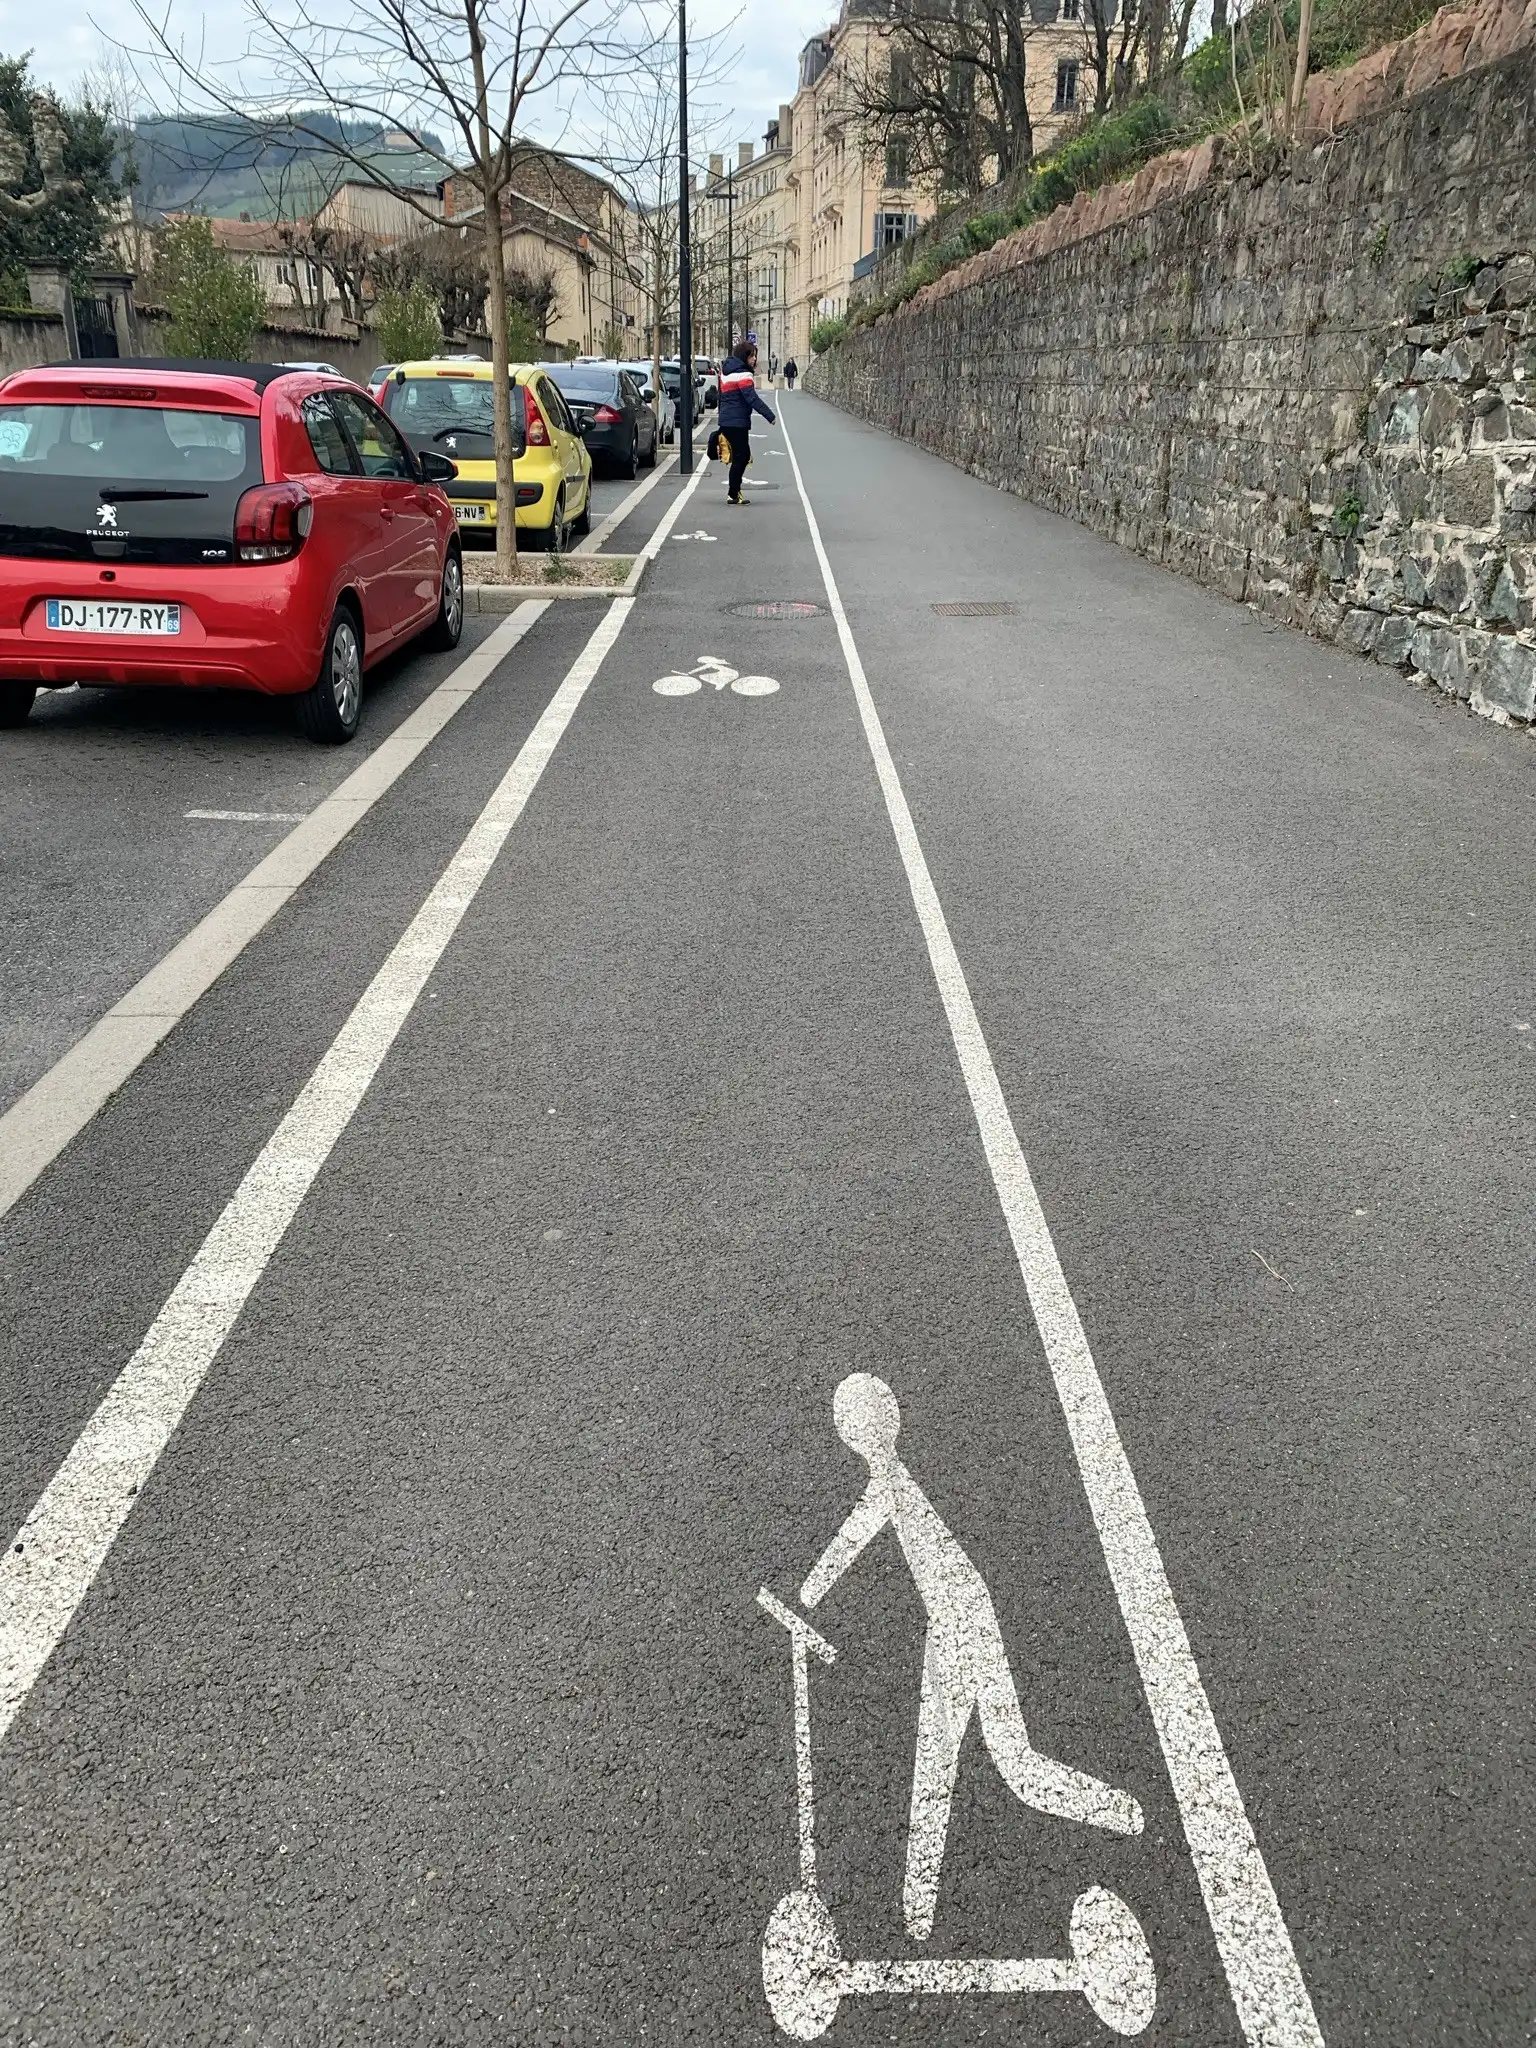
(103, 615)
(469, 515)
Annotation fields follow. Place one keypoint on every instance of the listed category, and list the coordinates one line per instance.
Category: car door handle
(386, 511)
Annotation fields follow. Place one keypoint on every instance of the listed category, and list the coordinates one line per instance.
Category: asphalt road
(413, 1687)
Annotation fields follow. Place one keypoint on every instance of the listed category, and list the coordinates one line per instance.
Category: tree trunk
(501, 390)
(1303, 61)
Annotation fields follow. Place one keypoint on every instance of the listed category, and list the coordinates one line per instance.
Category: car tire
(331, 707)
(650, 454)
(557, 535)
(447, 628)
(582, 523)
(631, 467)
(15, 703)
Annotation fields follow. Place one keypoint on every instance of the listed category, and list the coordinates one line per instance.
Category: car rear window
(576, 380)
(427, 405)
(132, 444)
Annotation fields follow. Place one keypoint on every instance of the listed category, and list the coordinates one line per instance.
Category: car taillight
(538, 433)
(608, 416)
(272, 521)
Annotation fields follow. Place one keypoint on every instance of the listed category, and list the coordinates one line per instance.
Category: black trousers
(740, 439)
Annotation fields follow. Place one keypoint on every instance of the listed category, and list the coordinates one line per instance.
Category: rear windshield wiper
(144, 497)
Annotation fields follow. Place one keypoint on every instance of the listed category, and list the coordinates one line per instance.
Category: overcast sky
(767, 37)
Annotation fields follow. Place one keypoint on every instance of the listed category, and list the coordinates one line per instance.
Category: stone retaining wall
(1309, 380)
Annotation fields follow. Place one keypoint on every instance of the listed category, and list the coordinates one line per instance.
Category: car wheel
(446, 628)
(558, 534)
(632, 466)
(650, 453)
(330, 708)
(16, 702)
(582, 523)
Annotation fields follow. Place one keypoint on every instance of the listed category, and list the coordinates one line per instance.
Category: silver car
(664, 402)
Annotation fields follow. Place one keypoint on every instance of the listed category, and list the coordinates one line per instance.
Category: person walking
(791, 372)
(738, 402)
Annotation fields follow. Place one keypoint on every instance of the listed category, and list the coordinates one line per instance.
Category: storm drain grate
(977, 608)
(776, 608)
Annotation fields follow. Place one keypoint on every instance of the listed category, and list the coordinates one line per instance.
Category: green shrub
(215, 303)
(827, 334)
(407, 322)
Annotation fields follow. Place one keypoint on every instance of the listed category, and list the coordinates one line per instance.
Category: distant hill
(230, 167)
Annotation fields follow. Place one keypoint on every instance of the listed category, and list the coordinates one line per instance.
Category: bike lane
(425, 1694)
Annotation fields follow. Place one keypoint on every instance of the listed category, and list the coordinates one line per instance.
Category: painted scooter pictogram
(965, 1671)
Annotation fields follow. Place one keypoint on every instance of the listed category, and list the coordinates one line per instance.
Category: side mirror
(435, 468)
(647, 393)
(399, 376)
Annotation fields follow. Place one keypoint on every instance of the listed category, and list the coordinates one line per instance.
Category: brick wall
(1309, 380)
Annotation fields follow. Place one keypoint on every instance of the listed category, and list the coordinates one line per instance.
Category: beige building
(742, 225)
(563, 223)
(820, 203)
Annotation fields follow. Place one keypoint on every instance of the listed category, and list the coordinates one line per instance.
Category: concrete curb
(506, 597)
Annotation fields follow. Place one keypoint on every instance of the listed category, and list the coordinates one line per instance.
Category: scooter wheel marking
(801, 1959)
(1113, 1961)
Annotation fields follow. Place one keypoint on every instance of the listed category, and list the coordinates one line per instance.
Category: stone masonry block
(1465, 493)
(1394, 642)
(1505, 676)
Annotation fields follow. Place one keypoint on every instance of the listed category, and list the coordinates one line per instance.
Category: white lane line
(625, 506)
(250, 817)
(50, 1563)
(1267, 1988)
(59, 1104)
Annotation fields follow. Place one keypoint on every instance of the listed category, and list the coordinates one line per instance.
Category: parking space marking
(49, 1565)
(1272, 2002)
(250, 817)
(59, 1104)
(614, 519)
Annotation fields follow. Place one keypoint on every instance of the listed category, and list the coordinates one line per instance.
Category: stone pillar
(50, 290)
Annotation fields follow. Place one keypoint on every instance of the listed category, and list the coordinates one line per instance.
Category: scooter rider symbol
(965, 1666)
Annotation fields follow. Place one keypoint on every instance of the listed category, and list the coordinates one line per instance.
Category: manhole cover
(776, 608)
(976, 608)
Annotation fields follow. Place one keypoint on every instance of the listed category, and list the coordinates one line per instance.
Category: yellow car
(445, 406)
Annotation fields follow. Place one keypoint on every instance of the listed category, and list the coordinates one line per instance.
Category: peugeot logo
(106, 515)
(453, 441)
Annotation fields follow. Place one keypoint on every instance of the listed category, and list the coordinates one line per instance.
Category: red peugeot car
(233, 524)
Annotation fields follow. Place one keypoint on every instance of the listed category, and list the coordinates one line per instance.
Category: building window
(1066, 85)
(895, 163)
(891, 228)
(1071, 10)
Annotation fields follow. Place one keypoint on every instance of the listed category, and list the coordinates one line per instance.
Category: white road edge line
(1273, 2005)
(59, 1104)
(50, 1563)
(614, 519)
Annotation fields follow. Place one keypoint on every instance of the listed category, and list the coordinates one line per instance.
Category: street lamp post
(730, 259)
(684, 254)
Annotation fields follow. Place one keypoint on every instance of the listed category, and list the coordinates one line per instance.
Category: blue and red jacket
(738, 397)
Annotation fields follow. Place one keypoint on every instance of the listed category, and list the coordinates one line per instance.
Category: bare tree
(636, 147)
(484, 68)
(945, 95)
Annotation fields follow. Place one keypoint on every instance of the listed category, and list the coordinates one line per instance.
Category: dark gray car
(616, 423)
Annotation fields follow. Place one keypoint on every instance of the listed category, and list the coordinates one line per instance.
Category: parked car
(663, 400)
(445, 406)
(377, 378)
(674, 366)
(235, 524)
(709, 371)
(323, 369)
(617, 424)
